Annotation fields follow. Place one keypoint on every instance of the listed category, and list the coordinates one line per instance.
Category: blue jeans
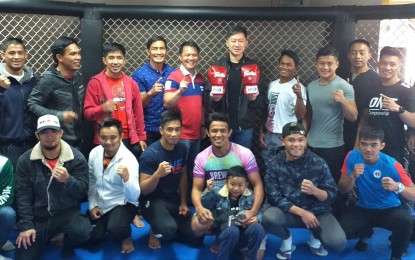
(273, 142)
(242, 137)
(7, 221)
(193, 149)
(250, 237)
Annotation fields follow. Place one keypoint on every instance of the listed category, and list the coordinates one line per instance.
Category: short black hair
(112, 46)
(59, 46)
(236, 29)
(327, 51)
(170, 115)
(390, 51)
(108, 122)
(291, 54)
(216, 116)
(371, 133)
(12, 40)
(237, 171)
(155, 38)
(190, 44)
(362, 41)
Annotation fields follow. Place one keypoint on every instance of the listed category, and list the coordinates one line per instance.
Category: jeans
(13, 152)
(273, 142)
(242, 137)
(329, 232)
(193, 149)
(250, 237)
(152, 137)
(7, 221)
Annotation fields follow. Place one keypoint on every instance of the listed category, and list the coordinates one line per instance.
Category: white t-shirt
(281, 103)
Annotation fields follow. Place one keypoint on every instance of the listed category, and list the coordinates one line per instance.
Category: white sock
(286, 243)
(314, 242)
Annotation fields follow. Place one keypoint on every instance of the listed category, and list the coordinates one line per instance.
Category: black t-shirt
(390, 122)
(234, 91)
(150, 159)
(362, 86)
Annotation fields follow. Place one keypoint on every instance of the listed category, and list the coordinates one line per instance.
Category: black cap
(293, 128)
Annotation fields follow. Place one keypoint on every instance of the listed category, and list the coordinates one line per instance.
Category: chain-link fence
(38, 32)
(267, 39)
(399, 33)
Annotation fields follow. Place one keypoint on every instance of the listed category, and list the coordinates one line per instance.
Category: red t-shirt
(118, 96)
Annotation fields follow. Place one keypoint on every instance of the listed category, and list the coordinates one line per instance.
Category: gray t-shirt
(327, 120)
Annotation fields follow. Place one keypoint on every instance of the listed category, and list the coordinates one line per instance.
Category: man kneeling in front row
(379, 180)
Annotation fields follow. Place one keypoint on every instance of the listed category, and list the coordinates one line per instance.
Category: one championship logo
(249, 73)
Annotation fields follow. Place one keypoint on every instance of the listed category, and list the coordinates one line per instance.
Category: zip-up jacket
(38, 195)
(247, 109)
(17, 124)
(218, 201)
(99, 91)
(283, 180)
(54, 94)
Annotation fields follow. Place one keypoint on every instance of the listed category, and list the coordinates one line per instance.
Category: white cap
(48, 122)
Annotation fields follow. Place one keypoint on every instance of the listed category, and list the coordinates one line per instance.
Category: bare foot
(153, 242)
(138, 222)
(260, 254)
(214, 248)
(58, 240)
(127, 246)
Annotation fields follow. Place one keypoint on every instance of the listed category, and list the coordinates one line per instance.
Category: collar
(65, 155)
(224, 192)
(187, 73)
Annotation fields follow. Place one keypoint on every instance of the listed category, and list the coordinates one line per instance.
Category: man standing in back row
(60, 90)
(243, 89)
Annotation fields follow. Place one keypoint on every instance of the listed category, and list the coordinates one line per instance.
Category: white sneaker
(8, 246)
(4, 258)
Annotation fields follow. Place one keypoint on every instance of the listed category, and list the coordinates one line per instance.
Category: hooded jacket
(17, 124)
(283, 180)
(98, 91)
(54, 94)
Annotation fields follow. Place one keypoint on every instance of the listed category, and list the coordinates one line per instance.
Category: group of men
(148, 129)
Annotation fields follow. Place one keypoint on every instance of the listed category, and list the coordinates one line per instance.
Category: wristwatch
(400, 189)
(401, 110)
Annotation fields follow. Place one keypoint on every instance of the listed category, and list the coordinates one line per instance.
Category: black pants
(334, 158)
(116, 221)
(76, 227)
(13, 151)
(166, 223)
(358, 222)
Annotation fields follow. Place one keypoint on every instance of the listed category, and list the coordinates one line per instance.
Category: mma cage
(302, 29)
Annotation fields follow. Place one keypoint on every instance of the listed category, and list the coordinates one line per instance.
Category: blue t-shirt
(145, 77)
(150, 159)
(371, 194)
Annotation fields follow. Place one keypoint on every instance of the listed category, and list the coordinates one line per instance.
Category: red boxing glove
(250, 77)
(218, 76)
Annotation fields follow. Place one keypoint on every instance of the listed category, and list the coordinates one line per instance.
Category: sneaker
(318, 251)
(282, 255)
(8, 246)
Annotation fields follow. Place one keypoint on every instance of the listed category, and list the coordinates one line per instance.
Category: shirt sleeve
(199, 170)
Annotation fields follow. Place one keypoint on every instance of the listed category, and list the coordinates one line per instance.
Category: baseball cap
(293, 128)
(48, 122)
